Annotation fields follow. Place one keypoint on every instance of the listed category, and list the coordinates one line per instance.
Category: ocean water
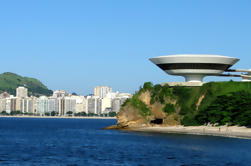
(82, 142)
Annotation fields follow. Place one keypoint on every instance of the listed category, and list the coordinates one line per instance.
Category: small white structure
(245, 77)
(59, 93)
(194, 67)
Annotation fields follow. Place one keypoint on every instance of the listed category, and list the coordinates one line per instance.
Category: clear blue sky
(76, 44)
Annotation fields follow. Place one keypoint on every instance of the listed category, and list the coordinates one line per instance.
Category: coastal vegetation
(232, 109)
(141, 106)
(10, 81)
(214, 103)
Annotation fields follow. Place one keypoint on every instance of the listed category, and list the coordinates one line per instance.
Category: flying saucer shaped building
(194, 67)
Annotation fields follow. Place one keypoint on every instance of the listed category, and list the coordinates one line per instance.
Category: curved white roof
(193, 55)
(194, 58)
(194, 67)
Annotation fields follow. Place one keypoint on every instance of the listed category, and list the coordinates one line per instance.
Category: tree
(147, 86)
(47, 114)
(53, 113)
(112, 114)
(80, 114)
(16, 113)
(4, 113)
(189, 120)
(233, 108)
(69, 113)
(92, 114)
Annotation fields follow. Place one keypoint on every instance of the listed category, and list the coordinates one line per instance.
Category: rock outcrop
(161, 105)
(130, 116)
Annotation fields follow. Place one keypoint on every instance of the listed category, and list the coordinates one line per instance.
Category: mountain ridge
(10, 81)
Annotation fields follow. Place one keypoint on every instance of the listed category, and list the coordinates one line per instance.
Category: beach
(58, 117)
(225, 131)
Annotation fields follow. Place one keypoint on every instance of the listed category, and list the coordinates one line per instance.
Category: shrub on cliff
(160, 93)
(147, 86)
(140, 105)
(169, 108)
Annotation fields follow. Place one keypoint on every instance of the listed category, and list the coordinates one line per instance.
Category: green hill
(10, 81)
(217, 103)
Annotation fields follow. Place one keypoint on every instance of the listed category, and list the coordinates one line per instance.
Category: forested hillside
(217, 103)
(10, 81)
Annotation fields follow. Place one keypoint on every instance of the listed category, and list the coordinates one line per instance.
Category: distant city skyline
(104, 101)
(76, 45)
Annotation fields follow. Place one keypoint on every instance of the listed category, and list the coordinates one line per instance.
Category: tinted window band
(212, 66)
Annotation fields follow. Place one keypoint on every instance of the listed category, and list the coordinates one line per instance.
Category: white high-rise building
(21, 92)
(52, 104)
(10, 104)
(24, 104)
(2, 105)
(93, 104)
(42, 105)
(102, 91)
(81, 103)
(32, 104)
(27, 105)
(70, 104)
(3, 101)
(106, 103)
(60, 106)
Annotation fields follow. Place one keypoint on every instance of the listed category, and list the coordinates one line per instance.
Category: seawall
(232, 131)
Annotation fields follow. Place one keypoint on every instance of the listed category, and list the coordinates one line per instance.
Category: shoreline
(222, 131)
(57, 117)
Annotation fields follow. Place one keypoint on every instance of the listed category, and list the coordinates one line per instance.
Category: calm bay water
(73, 142)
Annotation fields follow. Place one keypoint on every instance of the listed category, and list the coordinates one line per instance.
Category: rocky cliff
(169, 106)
